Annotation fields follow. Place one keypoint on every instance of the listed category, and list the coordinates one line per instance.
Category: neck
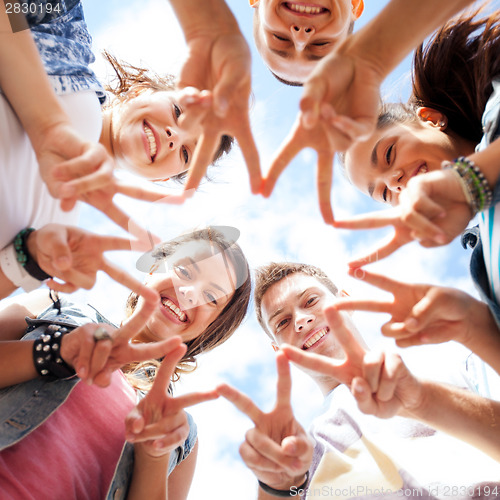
(326, 383)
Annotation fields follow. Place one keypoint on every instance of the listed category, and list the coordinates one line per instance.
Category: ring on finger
(101, 333)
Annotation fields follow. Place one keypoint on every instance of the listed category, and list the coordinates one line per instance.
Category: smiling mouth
(315, 338)
(423, 169)
(300, 8)
(175, 311)
(151, 140)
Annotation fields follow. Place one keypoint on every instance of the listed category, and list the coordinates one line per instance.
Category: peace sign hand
(420, 314)
(158, 424)
(380, 382)
(277, 449)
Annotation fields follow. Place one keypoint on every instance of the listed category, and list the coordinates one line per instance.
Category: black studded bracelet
(47, 356)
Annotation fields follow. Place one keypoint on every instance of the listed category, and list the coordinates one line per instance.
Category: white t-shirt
(24, 198)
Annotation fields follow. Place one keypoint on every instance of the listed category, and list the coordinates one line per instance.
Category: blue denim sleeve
(182, 452)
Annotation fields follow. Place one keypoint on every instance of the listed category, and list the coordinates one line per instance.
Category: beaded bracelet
(476, 188)
(25, 259)
(48, 362)
(291, 492)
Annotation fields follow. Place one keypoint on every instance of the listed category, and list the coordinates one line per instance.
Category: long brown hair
(222, 327)
(453, 71)
(130, 80)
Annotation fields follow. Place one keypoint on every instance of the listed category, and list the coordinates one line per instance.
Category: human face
(292, 310)
(194, 291)
(382, 165)
(293, 36)
(146, 137)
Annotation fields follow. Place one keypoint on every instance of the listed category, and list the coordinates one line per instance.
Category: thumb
(420, 316)
(55, 245)
(294, 446)
(310, 104)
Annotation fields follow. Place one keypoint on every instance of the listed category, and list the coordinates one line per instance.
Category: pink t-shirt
(74, 453)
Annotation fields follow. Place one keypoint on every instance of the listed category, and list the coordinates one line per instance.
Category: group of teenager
(87, 408)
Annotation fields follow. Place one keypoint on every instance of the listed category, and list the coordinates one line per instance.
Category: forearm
(488, 161)
(197, 18)
(6, 286)
(25, 83)
(398, 29)
(146, 479)
(483, 335)
(462, 414)
(16, 363)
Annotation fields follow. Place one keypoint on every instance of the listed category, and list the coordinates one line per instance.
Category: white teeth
(317, 336)
(168, 304)
(151, 139)
(304, 9)
(422, 170)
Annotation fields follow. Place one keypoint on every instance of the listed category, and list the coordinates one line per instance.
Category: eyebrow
(281, 309)
(215, 285)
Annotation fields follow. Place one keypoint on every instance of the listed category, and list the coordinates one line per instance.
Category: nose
(173, 139)
(394, 180)
(188, 296)
(302, 320)
(301, 35)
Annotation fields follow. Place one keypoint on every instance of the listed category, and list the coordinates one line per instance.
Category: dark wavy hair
(226, 322)
(453, 71)
(129, 80)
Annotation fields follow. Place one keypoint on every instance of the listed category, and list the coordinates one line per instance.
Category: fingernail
(67, 191)
(308, 119)
(359, 389)
(440, 238)
(411, 323)
(222, 107)
(82, 372)
(62, 262)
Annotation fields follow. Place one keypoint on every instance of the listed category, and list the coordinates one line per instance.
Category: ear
(254, 3)
(433, 117)
(357, 8)
(343, 293)
(275, 347)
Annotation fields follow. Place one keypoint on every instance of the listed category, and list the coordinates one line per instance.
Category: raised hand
(219, 61)
(158, 423)
(277, 449)
(432, 210)
(380, 382)
(422, 314)
(339, 106)
(75, 255)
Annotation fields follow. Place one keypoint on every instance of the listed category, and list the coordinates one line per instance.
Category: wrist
(286, 488)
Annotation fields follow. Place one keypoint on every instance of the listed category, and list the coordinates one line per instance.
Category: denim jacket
(491, 128)
(65, 45)
(24, 407)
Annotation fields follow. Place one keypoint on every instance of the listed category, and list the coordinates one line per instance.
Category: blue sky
(285, 227)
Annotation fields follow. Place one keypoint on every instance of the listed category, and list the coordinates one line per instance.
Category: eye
(182, 272)
(311, 301)
(384, 194)
(388, 154)
(177, 111)
(321, 44)
(281, 38)
(282, 324)
(185, 154)
(211, 298)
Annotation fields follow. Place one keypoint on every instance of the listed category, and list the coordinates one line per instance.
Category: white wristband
(15, 272)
